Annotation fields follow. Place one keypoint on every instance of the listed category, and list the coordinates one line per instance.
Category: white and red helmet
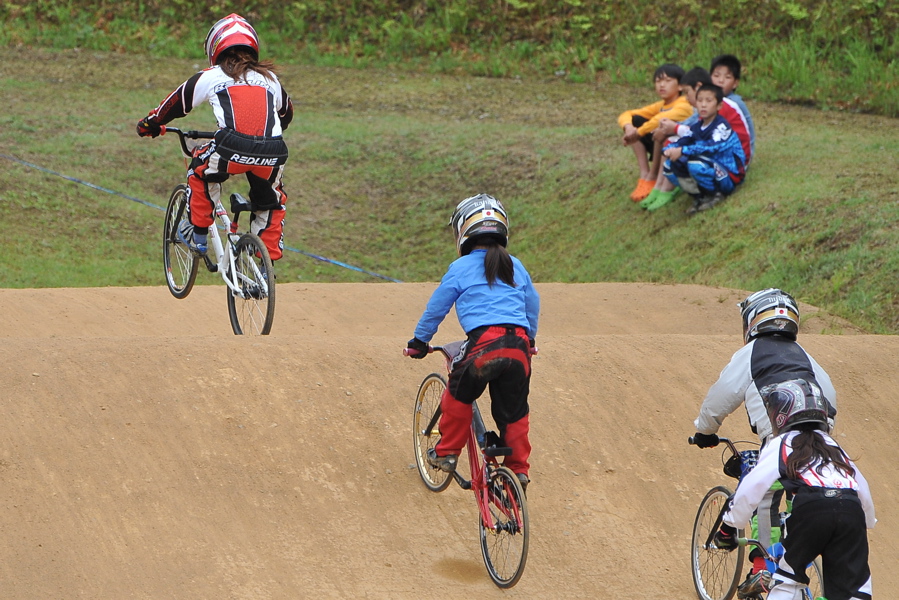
(230, 32)
(476, 217)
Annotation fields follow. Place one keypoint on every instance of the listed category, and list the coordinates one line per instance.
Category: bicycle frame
(481, 458)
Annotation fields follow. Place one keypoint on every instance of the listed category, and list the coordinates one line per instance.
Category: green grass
(380, 156)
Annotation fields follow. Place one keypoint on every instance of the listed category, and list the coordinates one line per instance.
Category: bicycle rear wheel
(180, 263)
(427, 407)
(252, 311)
(505, 545)
(716, 573)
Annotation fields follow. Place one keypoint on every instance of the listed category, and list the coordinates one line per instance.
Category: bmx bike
(241, 259)
(502, 506)
(716, 571)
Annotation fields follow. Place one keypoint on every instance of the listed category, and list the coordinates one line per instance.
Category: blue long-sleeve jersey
(718, 142)
(479, 304)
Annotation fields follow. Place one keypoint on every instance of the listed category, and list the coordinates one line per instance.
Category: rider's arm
(531, 297)
(864, 494)
(726, 394)
(753, 486)
(178, 103)
(438, 307)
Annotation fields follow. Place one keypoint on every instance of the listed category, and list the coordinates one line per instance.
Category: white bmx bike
(241, 259)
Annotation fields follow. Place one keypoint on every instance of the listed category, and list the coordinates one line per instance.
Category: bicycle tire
(427, 406)
(505, 547)
(181, 265)
(252, 311)
(716, 573)
(815, 574)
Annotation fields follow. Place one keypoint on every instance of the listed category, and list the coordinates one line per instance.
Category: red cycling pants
(497, 357)
(204, 180)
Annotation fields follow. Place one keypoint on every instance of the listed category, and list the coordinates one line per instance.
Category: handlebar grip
(691, 441)
(412, 352)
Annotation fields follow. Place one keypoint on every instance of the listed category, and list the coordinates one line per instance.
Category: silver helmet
(769, 311)
(481, 215)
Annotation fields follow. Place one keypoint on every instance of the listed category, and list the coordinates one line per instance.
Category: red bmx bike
(502, 506)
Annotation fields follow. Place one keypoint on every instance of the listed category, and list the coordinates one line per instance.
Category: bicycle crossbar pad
(497, 451)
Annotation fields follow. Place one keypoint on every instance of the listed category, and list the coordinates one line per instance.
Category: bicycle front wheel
(427, 409)
(504, 545)
(716, 573)
(252, 309)
(815, 576)
(180, 263)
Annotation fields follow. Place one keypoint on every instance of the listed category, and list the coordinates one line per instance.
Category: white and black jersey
(764, 360)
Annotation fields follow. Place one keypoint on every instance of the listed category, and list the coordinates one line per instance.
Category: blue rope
(150, 204)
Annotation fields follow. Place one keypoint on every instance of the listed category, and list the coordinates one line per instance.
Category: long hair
(237, 62)
(497, 261)
(809, 447)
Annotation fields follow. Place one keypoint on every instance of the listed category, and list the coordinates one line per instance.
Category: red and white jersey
(731, 111)
(254, 105)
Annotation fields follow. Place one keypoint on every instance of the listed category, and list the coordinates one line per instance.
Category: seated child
(708, 162)
(725, 73)
(638, 125)
(669, 131)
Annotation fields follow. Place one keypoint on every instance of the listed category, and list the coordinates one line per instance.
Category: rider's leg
(766, 525)
(268, 200)
(509, 391)
(455, 422)
(204, 189)
(516, 437)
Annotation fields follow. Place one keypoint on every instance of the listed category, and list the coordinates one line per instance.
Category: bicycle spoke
(715, 572)
(427, 405)
(180, 263)
(504, 539)
(251, 308)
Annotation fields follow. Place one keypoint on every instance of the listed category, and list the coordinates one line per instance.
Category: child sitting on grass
(639, 124)
(725, 73)
(708, 162)
(669, 131)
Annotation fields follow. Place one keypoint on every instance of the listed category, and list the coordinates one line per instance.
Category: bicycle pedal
(210, 266)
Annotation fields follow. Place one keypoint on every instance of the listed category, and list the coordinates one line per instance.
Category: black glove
(419, 348)
(532, 342)
(726, 537)
(147, 127)
(705, 440)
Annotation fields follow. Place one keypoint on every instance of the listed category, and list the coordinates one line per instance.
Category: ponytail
(498, 263)
(808, 448)
(235, 63)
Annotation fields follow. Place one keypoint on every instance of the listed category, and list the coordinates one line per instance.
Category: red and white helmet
(479, 216)
(230, 32)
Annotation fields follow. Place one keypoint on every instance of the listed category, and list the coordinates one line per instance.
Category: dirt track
(149, 453)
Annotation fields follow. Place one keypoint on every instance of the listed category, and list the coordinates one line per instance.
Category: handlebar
(184, 135)
(450, 351)
(722, 440)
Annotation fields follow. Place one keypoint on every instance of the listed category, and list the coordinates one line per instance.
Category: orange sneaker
(644, 187)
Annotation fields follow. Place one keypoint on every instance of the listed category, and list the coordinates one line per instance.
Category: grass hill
(379, 157)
